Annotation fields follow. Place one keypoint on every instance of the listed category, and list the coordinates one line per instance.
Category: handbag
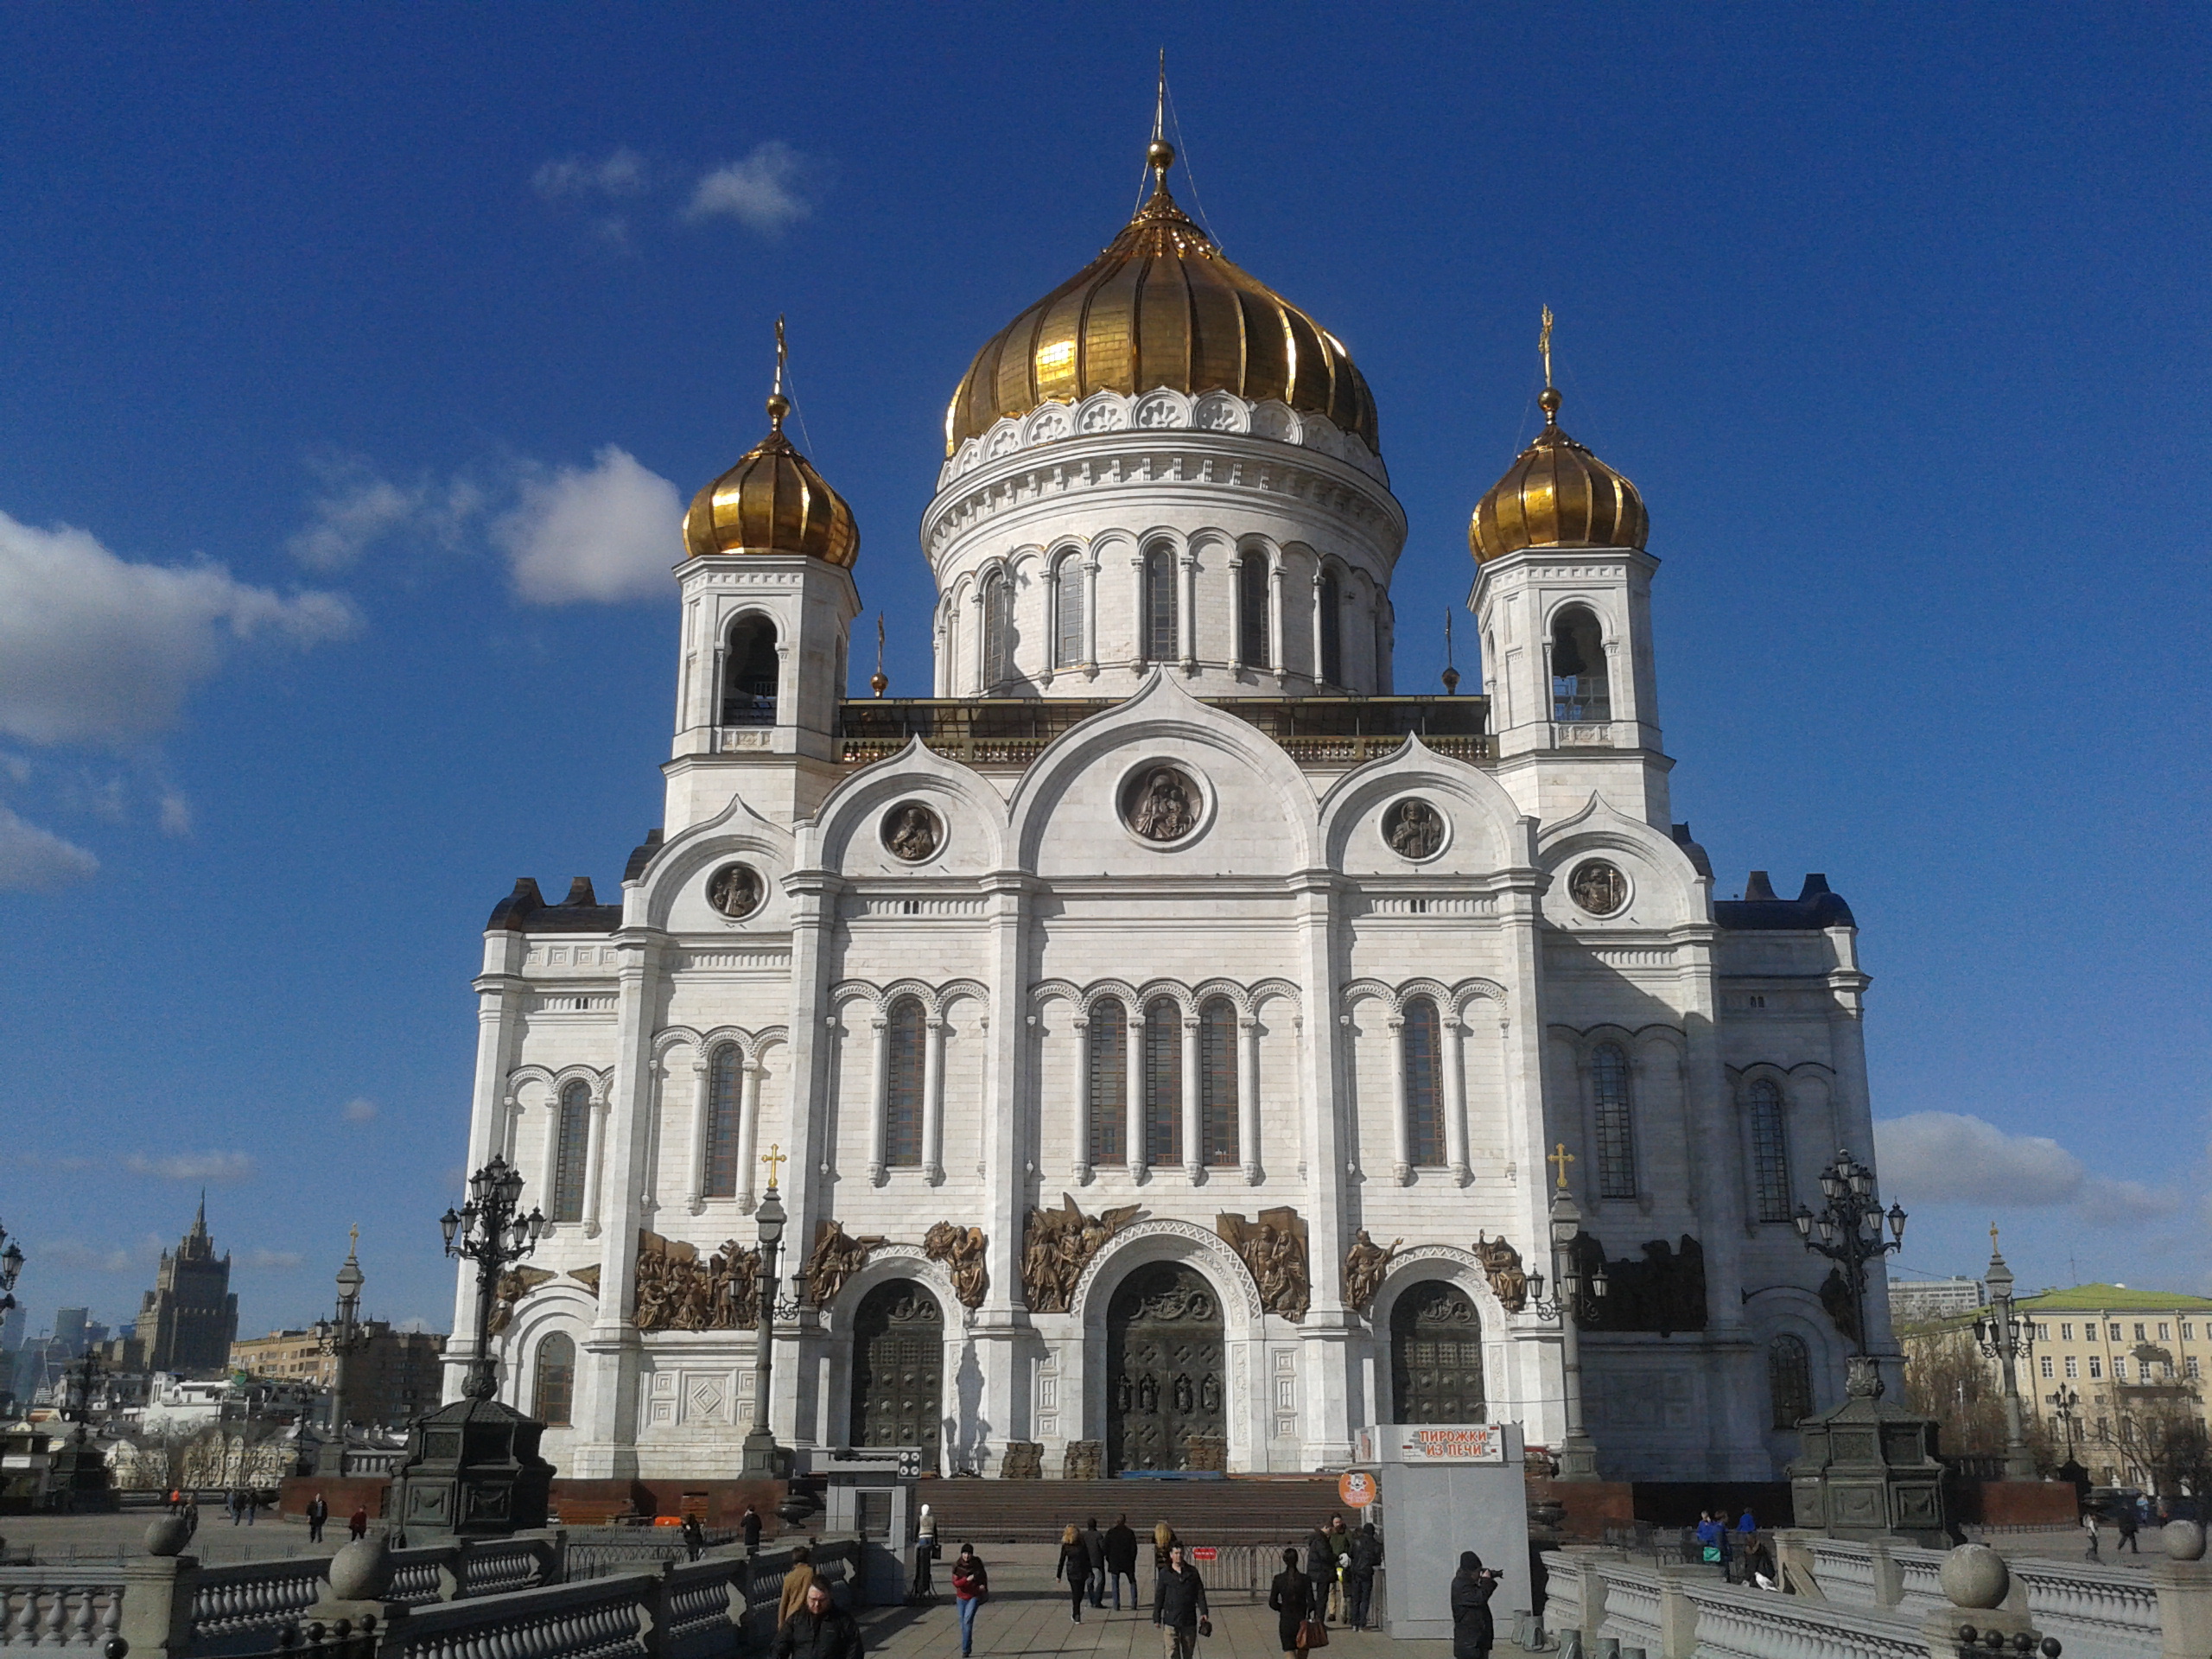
(1205, 1625)
(1312, 1634)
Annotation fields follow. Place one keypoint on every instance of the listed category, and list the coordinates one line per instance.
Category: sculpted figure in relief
(961, 1249)
(1365, 1263)
(1274, 1250)
(837, 1256)
(1057, 1244)
(736, 891)
(1415, 830)
(514, 1284)
(676, 1291)
(911, 832)
(1501, 1263)
(1163, 809)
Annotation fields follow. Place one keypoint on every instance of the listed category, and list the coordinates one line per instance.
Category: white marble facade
(1282, 912)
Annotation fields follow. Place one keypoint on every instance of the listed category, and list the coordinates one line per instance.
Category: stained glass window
(1616, 1123)
(1067, 618)
(902, 1102)
(554, 1393)
(998, 631)
(1252, 609)
(1160, 605)
(1424, 1109)
(1163, 1083)
(1789, 1381)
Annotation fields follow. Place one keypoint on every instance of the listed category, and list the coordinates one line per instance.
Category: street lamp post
(763, 1457)
(1578, 1456)
(11, 1265)
(1850, 1227)
(2006, 1337)
(2067, 1401)
(491, 1230)
(341, 1337)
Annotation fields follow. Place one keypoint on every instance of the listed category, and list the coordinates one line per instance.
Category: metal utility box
(1442, 1488)
(869, 1492)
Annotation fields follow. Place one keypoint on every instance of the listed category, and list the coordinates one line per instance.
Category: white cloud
(360, 508)
(71, 1254)
(603, 533)
(360, 1109)
(176, 814)
(273, 1258)
(193, 1165)
(622, 172)
(95, 649)
(33, 860)
(761, 191)
(1952, 1158)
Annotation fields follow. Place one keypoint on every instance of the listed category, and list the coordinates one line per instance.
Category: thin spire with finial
(879, 682)
(1451, 672)
(1550, 400)
(779, 405)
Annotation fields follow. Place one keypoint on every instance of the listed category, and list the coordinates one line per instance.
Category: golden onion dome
(1557, 495)
(1161, 307)
(772, 502)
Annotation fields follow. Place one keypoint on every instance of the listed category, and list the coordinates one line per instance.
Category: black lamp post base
(1869, 1469)
(472, 1471)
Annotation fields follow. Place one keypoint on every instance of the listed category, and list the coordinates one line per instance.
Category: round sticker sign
(1356, 1489)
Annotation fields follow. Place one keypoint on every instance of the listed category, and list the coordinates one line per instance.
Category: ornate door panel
(1165, 1379)
(1436, 1356)
(898, 1370)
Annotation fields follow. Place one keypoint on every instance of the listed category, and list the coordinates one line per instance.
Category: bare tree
(1946, 1379)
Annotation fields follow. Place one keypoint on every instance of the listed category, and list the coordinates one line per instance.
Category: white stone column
(1317, 623)
(1090, 613)
(1277, 638)
(1050, 588)
(1237, 610)
(596, 1153)
(1329, 1336)
(933, 1103)
(749, 1129)
(1140, 1166)
(794, 1406)
(694, 1185)
(494, 1123)
(1455, 1097)
(981, 654)
(1194, 1150)
(1186, 612)
(1248, 1097)
(879, 1102)
(1079, 1103)
(1402, 1163)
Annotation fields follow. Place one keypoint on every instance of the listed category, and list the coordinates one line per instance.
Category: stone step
(1240, 1509)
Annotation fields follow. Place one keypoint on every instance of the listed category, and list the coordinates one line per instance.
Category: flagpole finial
(1550, 400)
(779, 405)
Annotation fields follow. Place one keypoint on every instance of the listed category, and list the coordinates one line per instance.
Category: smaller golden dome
(772, 502)
(1557, 495)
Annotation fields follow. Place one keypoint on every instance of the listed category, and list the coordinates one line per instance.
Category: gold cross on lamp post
(1559, 1159)
(775, 1158)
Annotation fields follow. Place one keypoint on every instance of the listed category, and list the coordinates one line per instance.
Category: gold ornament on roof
(1161, 307)
(1557, 493)
(772, 501)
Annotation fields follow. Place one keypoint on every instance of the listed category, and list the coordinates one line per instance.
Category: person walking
(817, 1629)
(695, 1538)
(795, 1583)
(318, 1513)
(2089, 1526)
(358, 1528)
(2128, 1524)
(1122, 1561)
(1321, 1569)
(1180, 1610)
(1163, 1540)
(923, 1591)
(192, 1514)
(232, 1506)
(1359, 1574)
(1290, 1597)
(971, 1587)
(1074, 1566)
(750, 1527)
(1472, 1586)
(1094, 1544)
(1339, 1546)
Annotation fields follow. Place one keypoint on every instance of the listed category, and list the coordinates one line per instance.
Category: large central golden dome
(1160, 308)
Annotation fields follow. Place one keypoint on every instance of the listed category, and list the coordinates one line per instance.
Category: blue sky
(357, 359)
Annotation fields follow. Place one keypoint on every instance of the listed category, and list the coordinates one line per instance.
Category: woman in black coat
(1472, 1586)
(1291, 1598)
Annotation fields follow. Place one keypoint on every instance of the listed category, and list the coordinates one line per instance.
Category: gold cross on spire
(1159, 103)
(775, 1159)
(1559, 1159)
(353, 1238)
(1992, 1238)
(1544, 344)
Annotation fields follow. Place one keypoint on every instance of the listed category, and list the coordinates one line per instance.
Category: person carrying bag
(1290, 1597)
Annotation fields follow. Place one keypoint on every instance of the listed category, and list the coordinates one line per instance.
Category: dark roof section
(1687, 842)
(1758, 910)
(524, 911)
(641, 855)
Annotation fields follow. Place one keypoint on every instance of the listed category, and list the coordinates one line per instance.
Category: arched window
(1789, 1381)
(998, 630)
(1163, 1083)
(554, 1393)
(902, 1099)
(1160, 605)
(1252, 609)
(1110, 1080)
(1616, 1122)
(1770, 1150)
(751, 671)
(1218, 1081)
(1578, 668)
(1067, 612)
(1424, 1038)
(721, 1121)
(571, 1151)
(1332, 602)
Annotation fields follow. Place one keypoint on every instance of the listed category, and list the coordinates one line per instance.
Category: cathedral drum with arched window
(1164, 1377)
(898, 1370)
(1436, 1356)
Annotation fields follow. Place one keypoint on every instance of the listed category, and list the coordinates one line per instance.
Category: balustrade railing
(39, 1609)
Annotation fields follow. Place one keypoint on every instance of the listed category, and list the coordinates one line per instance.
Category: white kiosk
(1442, 1488)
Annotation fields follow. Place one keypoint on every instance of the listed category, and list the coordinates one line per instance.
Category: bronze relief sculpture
(911, 832)
(1414, 828)
(961, 1249)
(513, 1285)
(1164, 806)
(1501, 1266)
(1057, 1244)
(837, 1256)
(1273, 1250)
(736, 891)
(677, 1291)
(1365, 1263)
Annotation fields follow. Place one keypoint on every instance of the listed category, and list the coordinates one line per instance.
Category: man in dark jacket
(1321, 1569)
(1359, 1574)
(1472, 1586)
(818, 1629)
(1094, 1545)
(750, 1525)
(1122, 1561)
(1181, 1605)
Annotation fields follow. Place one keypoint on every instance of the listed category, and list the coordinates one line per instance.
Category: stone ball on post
(1976, 1575)
(361, 1571)
(167, 1536)
(2184, 1541)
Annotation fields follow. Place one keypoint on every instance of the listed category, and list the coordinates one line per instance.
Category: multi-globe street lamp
(340, 1337)
(2066, 1402)
(2006, 1337)
(1578, 1456)
(1849, 1225)
(763, 1457)
(491, 1230)
(11, 1265)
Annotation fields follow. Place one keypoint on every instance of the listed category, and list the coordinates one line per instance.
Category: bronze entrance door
(1436, 1356)
(898, 1370)
(1165, 1379)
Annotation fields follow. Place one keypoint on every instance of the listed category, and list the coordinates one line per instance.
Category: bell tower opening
(751, 671)
(1578, 689)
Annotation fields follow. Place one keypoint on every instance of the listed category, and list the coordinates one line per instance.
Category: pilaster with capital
(1530, 1128)
(795, 1407)
(1326, 1338)
(1006, 1348)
